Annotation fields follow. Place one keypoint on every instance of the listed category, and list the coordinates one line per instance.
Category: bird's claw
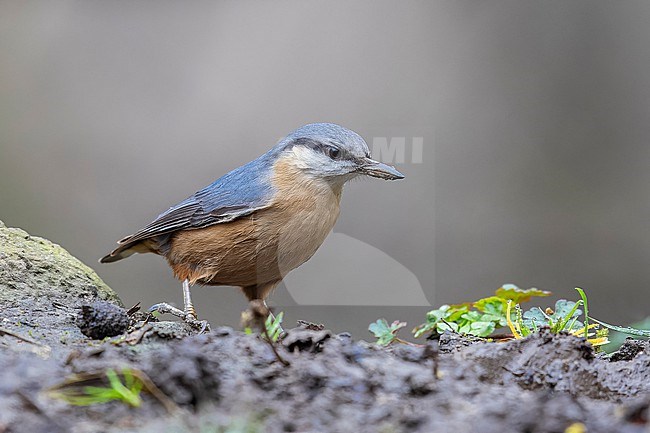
(164, 308)
(189, 318)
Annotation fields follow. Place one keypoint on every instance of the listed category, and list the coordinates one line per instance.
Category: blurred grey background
(534, 118)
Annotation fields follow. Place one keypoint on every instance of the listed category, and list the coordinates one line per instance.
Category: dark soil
(231, 382)
(312, 381)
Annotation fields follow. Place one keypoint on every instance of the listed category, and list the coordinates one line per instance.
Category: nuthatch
(252, 226)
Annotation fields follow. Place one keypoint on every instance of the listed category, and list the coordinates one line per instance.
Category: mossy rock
(42, 288)
(35, 267)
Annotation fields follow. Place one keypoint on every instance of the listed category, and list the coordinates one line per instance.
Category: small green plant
(385, 333)
(564, 318)
(273, 326)
(483, 317)
(127, 392)
(479, 318)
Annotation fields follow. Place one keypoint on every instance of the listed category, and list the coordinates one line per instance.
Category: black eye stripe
(307, 142)
(330, 150)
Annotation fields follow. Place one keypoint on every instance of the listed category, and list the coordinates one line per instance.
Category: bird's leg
(188, 307)
(188, 314)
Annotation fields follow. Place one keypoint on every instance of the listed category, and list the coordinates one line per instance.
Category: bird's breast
(266, 245)
(304, 212)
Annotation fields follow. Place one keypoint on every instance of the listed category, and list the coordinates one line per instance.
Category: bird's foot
(189, 318)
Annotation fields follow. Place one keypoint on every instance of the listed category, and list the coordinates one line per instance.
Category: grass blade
(583, 295)
(625, 329)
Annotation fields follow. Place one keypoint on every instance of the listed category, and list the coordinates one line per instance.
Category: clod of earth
(227, 381)
(102, 319)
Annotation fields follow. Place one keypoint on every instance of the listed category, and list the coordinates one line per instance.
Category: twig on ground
(4, 331)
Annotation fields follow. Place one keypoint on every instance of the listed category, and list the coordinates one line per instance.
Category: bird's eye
(333, 152)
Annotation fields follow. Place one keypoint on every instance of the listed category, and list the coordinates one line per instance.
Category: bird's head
(333, 153)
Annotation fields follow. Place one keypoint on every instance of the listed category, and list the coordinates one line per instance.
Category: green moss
(36, 266)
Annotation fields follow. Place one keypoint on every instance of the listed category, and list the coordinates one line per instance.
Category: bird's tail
(124, 251)
(115, 255)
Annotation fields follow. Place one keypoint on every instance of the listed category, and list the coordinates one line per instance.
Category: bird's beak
(374, 168)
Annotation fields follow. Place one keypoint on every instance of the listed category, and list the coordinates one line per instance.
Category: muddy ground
(227, 381)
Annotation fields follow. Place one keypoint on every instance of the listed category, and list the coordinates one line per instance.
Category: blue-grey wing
(238, 193)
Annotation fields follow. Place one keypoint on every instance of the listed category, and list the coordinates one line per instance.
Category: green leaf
(568, 317)
(517, 295)
(454, 312)
(490, 304)
(422, 329)
(274, 326)
(535, 318)
(447, 326)
(434, 316)
(482, 329)
(379, 328)
(384, 332)
(472, 316)
(563, 308)
(465, 328)
(583, 295)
